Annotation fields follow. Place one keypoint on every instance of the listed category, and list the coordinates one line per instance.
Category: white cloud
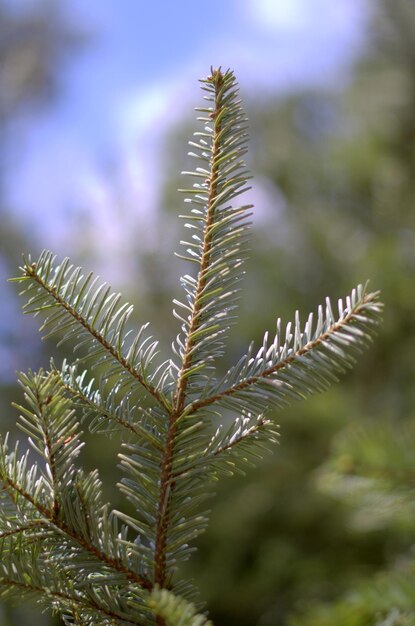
(295, 15)
(276, 14)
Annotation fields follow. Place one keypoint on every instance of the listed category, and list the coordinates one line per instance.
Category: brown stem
(167, 484)
(22, 529)
(41, 405)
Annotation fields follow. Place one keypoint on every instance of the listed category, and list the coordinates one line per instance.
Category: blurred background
(96, 107)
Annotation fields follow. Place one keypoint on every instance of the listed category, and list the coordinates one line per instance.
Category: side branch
(61, 526)
(253, 430)
(354, 316)
(65, 597)
(213, 453)
(30, 271)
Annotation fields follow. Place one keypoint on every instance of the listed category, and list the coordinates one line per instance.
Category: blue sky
(138, 76)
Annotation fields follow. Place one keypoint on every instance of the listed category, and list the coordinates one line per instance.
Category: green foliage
(372, 468)
(175, 611)
(60, 541)
(388, 600)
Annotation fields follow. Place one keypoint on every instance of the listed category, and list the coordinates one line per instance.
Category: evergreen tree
(61, 543)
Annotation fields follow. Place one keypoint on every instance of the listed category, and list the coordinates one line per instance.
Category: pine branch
(218, 252)
(91, 316)
(305, 362)
(87, 607)
(58, 539)
(68, 503)
(229, 449)
(88, 610)
(218, 246)
(51, 523)
(51, 426)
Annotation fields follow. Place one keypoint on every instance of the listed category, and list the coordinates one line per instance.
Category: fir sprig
(59, 541)
(305, 361)
(217, 252)
(89, 314)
